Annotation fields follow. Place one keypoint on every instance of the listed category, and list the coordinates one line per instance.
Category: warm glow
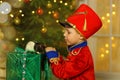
(107, 51)
(11, 15)
(49, 12)
(102, 49)
(113, 12)
(57, 21)
(113, 45)
(107, 45)
(102, 55)
(55, 1)
(113, 5)
(61, 1)
(103, 18)
(33, 12)
(108, 21)
(20, 11)
(66, 4)
(107, 14)
(23, 39)
(19, 0)
(0, 1)
(22, 15)
(17, 39)
(112, 38)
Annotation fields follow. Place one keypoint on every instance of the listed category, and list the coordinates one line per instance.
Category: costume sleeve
(75, 65)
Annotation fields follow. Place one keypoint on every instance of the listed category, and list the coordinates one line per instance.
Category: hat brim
(65, 24)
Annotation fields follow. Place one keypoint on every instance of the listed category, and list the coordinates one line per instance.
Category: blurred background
(37, 20)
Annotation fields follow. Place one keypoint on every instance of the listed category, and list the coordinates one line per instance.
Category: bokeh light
(5, 8)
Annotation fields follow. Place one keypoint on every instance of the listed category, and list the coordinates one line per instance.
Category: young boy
(78, 65)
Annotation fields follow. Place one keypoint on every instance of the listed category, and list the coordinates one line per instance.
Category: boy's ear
(81, 37)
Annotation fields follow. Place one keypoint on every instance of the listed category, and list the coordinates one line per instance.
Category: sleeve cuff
(52, 54)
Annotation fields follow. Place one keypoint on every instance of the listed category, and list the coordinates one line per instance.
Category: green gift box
(23, 65)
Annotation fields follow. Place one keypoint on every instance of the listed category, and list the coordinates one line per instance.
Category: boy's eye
(68, 32)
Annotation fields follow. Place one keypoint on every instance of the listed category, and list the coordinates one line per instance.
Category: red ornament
(39, 11)
(56, 15)
(26, 1)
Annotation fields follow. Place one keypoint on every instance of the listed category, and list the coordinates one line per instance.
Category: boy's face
(72, 37)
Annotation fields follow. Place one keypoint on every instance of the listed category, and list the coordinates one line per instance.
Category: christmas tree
(37, 20)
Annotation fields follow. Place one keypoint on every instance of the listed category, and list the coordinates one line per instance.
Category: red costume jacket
(77, 66)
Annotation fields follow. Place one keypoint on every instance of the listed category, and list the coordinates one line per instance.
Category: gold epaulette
(54, 60)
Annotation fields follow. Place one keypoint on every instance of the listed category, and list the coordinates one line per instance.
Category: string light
(113, 5)
(0, 1)
(57, 21)
(103, 18)
(20, 11)
(108, 21)
(102, 55)
(55, 1)
(113, 12)
(17, 39)
(19, 0)
(106, 45)
(61, 1)
(23, 39)
(22, 15)
(33, 12)
(107, 51)
(66, 4)
(112, 38)
(49, 12)
(107, 14)
(11, 15)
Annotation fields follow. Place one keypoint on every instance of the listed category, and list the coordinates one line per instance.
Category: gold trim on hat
(85, 12)
(85, 22)
(74, 26)
(85, 25)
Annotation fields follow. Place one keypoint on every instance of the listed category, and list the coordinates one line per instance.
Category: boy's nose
(65, 34)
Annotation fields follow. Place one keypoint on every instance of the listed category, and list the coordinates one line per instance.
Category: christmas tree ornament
(3, 18)
(5, 8)
(16, 3)
(56, 15)
(26, 1)
(39, 11)
(17, 20)
(44, 30)
(49, 5)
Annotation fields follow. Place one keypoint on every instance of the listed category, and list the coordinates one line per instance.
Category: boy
(78, 65)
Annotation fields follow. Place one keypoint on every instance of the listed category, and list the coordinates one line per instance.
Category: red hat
(85, 20)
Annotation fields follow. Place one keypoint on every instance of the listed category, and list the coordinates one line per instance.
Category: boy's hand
(47, 49)
(52, 55)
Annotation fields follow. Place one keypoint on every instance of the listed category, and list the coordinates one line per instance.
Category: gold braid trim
(54, 60)
(76, 53)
